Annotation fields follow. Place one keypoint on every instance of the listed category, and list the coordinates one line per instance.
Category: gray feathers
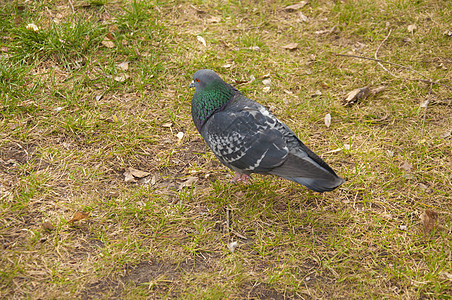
(247, 138)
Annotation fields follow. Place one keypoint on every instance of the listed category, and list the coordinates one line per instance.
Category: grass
(72, 123)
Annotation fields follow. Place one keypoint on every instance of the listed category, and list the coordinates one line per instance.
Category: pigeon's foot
(241, 177)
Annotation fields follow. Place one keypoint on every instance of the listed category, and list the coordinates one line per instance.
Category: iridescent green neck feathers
(212, 97)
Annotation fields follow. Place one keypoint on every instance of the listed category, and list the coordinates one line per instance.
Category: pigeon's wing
(249, 139)
(246, 140)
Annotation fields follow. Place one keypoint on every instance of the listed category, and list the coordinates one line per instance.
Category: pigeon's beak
(192, 84)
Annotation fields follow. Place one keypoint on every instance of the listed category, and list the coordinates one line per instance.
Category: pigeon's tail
(318, 185)
(309, 172)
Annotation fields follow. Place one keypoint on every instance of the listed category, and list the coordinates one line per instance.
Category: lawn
(107, 191)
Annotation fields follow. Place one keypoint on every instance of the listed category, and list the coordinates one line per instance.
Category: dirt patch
(160, 275)
(264, 291)
(12, 154)
(148, 271)
(101, 288)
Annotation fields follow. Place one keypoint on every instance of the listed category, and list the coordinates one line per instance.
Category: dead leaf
(110, 36)
(377, 90)
(240, 81)
(429, 218)
(317, 93)
(121, 77)
(328, 120)
(303, 18)
(267, 82)
(291, 46)
(356, 95)
(406, 166)
(411, 28)
(138, 173)
(107, 43)
(266, 89)
(128, 177)
(227, 66)
(130, 174)
(80, 215)
(167, 125)
(47, 226)
(255, 48)
(334, 29)
(202, 40)
(147, 180)
(124, 65)
(188, 182)
(32, 27)
(424, 103)
(295, 7)
(214, 19)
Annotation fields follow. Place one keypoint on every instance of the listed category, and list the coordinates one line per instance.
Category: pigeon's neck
(211, 99)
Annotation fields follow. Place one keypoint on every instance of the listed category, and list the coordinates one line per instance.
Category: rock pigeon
(247, 138)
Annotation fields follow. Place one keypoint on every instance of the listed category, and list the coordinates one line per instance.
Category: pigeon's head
(204, 78)
(212, 94)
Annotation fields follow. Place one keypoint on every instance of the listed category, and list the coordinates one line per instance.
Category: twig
(396, 64)
(425, 109)
(227, 220)
(378, 49)
(72, 6)
(239, 235)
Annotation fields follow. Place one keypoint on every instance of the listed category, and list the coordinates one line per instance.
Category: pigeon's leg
(240, 177)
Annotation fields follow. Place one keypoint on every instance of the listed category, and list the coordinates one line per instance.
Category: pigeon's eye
(197, 80)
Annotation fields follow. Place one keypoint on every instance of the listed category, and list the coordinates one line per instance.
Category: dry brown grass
(69, 130)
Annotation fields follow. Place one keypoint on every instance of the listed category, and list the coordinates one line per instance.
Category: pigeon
(248, 139)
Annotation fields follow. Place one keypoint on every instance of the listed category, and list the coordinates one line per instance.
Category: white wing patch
(265, 112)
(224, 146)
(233, 141)
(271, 119)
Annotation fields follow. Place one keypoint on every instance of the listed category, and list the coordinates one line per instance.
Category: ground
(107, 191)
